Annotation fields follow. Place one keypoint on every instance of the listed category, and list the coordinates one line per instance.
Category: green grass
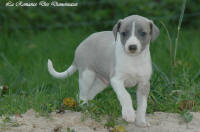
(23, 67)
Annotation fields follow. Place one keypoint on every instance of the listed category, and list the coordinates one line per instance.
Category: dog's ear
(154, 31)
(116, 28)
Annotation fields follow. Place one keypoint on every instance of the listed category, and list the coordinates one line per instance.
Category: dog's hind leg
(86, 79)
(96, 88)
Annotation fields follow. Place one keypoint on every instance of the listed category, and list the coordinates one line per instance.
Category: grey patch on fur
(116, 28)
(143, 28)
(154, 31)
(89, 54)
(144, 88)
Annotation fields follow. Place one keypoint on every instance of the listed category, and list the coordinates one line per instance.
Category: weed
(187, 116)
(70, 130)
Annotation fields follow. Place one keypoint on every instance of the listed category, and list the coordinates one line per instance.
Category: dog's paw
(128, 115)
(142, 123)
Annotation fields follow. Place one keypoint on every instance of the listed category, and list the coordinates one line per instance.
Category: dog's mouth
(132, 53)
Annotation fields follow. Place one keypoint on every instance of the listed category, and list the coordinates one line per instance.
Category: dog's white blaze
(133, 40)
(133, 29)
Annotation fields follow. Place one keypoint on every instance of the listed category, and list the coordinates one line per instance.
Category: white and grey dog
(121, 58)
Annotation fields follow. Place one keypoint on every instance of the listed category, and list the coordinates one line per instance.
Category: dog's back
(96, 53)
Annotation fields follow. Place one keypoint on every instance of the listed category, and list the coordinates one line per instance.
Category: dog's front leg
(124, 97)
(142, 95)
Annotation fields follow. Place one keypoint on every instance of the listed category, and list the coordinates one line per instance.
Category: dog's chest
(134, 74)
(134, 69)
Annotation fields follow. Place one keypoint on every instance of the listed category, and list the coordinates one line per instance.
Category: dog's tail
(61, 75)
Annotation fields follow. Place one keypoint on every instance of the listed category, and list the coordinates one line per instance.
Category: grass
(23, 68)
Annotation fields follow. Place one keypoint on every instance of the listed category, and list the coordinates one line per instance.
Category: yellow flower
(119, 129)
(69, 102)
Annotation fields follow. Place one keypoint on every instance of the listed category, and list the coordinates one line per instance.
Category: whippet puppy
(120, 57)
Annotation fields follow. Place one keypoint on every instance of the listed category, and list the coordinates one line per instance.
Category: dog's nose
(132, 47)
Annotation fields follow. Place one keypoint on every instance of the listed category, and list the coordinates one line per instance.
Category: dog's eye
(123, 34)
(143, 34)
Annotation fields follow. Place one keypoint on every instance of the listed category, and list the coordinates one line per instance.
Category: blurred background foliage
(99, 14)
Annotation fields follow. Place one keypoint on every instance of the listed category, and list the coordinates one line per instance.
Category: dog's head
(135, 33)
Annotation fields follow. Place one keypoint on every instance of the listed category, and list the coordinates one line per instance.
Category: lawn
(23, 68)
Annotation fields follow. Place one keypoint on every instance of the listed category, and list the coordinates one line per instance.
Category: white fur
(129, 71)
(86, 79)
(61, 75)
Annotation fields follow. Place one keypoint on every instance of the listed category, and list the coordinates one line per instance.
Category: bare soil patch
(57, 122)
